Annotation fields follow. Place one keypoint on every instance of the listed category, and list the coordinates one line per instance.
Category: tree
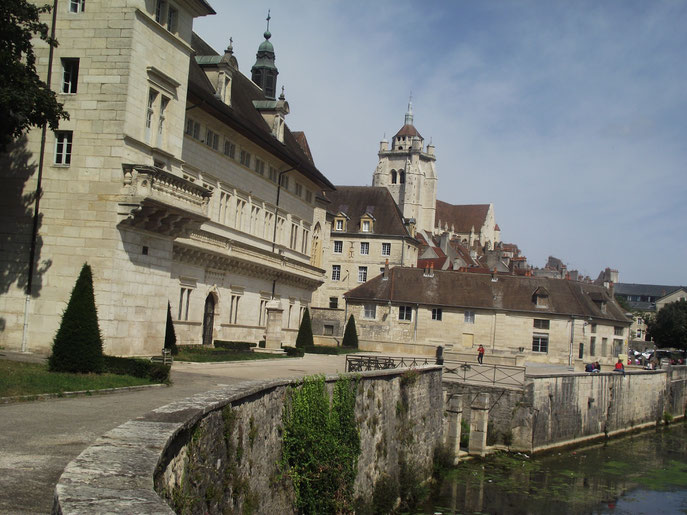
(350, 338)
(25, 100)
(78, 346)
(669, 328)
(304, 338)
(623, 304)
(170, 334)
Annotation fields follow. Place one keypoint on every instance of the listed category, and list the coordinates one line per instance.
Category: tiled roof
(355, 201)
(650, 290)
(303, 143)
(244, 118)
(479, 291)
(463, 217)
(436, 263)
(408, 131)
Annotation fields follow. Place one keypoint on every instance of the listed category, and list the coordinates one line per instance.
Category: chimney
(611, 289)
(385, 276)
(493, 276)
(431, 269)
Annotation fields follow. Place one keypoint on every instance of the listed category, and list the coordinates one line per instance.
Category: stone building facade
(176, 179)
(544, 320)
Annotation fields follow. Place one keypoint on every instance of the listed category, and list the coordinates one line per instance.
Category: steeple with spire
(264, 72)
(407, 170)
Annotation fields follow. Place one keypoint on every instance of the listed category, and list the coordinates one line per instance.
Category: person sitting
(597, 367)
(619, 367)
(589, 367)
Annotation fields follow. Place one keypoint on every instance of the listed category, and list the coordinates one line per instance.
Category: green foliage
(385, 494)
(667, 418)
(25, 100)
(464, 433)
(235, 346)
(321, 445)
(623, 304)
(669, 329)
(170, 335)
(350, 338)
(305, 338)
(78, 346)
(155, 372)
(294, 352)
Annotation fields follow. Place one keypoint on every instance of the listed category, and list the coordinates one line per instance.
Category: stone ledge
(116, 473)
(78, 393)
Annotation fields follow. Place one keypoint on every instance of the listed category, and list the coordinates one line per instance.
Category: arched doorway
(208, 319)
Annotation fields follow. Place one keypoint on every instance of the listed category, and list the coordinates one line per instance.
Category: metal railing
(497, 375)
(364, 363)
(458, 371)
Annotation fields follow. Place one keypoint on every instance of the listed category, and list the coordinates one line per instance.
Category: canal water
(641, 473)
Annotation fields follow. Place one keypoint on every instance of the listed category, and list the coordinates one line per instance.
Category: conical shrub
(304, 338)
(78, 346)
(170, 335)
(350, 338)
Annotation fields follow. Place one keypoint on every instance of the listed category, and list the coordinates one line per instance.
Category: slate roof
(355, 201)
(461, 217)
(245, 119)
(408, 130)
(479, 291)
(649, 290)
(303, 143)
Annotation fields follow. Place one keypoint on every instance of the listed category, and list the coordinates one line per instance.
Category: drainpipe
(572, 338)
(276, 221)
(39, 180)
(417, 313)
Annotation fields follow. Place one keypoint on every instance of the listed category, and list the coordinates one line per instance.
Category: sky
(570, 117)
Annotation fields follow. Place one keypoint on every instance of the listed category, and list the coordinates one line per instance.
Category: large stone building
(539, 319)
(176, 178)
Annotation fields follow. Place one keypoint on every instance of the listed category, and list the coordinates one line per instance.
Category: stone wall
(219, 451)
(557, 410)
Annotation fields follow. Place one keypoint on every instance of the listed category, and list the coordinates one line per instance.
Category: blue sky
(570, 117)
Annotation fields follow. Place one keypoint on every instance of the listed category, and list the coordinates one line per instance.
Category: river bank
(640, 473)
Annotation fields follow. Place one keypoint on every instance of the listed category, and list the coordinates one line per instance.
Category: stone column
(273, 332)
(454, 417)
(479, 417)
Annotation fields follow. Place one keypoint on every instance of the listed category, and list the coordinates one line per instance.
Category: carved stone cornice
(234, 259)
(159, 201)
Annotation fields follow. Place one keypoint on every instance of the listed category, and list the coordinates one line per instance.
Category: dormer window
(339, 224)
(540, 297)
(366, 226)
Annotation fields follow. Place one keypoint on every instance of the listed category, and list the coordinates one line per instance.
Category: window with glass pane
(364, 248)
(386, 249)
(540, 343)
(338, 247)
(336, 272)
(362, 274)
(436, 313)
(370, 311)
(63, 147)
(405, 313)
(469, 317)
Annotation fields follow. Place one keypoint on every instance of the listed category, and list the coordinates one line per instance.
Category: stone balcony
(158, 201)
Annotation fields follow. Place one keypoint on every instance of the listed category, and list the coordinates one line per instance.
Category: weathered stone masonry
(219, 450)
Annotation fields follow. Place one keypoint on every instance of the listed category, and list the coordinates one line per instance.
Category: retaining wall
(557, 410)
(218, 451)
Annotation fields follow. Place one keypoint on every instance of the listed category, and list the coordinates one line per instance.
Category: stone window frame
(469, 317)
(245, 158)
(211, 138)
(70, 75)
(362, 274)
(229, 148)
(437, 314)
(540, 343)
(235, 300)
(333, 302)
(64, 141)
(543, 324)
(336, 272)
(364, 248)
(618, 331)
(370, 311)
(386, 248)
(337, 248)
(405, 313)
(77, 6)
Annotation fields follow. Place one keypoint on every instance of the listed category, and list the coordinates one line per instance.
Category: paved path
(38, 439)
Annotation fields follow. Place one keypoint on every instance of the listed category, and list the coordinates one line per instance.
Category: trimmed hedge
(294, 352)
(235, 346)
(314, 349)
(155, 372)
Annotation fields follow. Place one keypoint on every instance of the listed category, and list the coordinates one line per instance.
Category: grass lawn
(202, 354)
(18, 378)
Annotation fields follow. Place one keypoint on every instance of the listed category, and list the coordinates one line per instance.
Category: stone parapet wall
(558, 410)
(219, 451)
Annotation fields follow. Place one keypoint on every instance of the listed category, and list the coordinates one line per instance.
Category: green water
(642, 473)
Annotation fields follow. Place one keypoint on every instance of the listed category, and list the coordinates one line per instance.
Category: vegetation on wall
(321, 445)
(78, 346)
(350, 338)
